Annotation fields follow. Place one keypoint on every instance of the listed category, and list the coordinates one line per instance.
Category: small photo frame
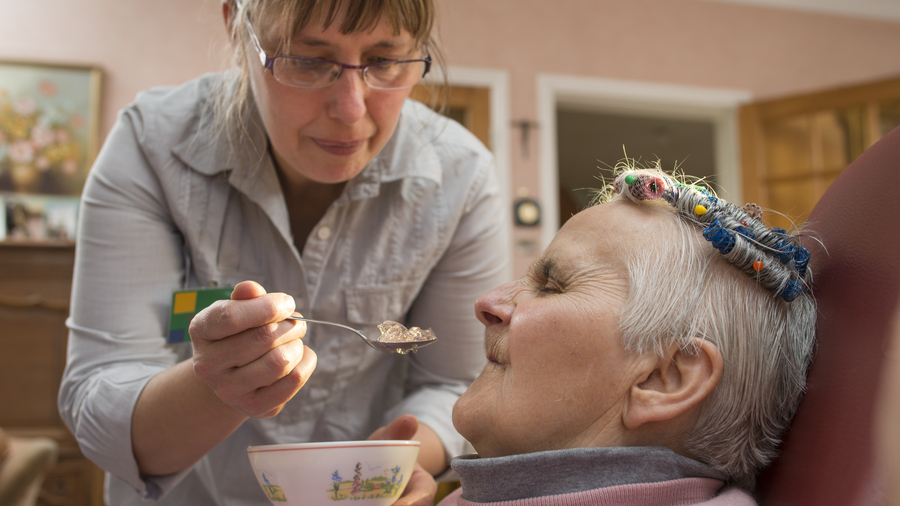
(49, 127)
(42, 218)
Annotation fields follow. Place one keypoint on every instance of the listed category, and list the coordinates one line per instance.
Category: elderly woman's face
(328, 135)
(558, 375)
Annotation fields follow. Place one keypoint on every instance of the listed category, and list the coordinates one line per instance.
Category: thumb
(403, 427)
(247, 290)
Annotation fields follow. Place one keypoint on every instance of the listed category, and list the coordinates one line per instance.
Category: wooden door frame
(753, 117)
(497, 82)
(636, 98)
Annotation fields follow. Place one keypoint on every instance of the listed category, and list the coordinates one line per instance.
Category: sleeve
(476, 261)
(129, 258)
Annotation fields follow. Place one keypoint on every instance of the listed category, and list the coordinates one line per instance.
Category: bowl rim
(377, 443)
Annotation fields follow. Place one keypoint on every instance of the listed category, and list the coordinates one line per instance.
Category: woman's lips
(339, 148)
(495, 348)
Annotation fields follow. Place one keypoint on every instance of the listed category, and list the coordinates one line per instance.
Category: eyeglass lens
(308, 73)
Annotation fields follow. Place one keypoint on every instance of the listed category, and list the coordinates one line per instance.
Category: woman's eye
(543, 279)
(378, 59)
(550, 286)
(306, 65)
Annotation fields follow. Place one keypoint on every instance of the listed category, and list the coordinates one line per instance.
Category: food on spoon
(393, 332)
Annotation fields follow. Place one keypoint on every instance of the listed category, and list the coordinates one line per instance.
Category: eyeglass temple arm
(264, 58)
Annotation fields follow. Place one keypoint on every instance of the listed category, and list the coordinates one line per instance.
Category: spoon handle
(390, 347)
(335, 324)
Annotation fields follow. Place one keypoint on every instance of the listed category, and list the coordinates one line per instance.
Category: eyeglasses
(303, 72)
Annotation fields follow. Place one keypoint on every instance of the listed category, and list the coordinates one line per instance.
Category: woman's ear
(674, 383)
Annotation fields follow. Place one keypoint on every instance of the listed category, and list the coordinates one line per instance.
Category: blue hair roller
(791, 290)
(721, 238)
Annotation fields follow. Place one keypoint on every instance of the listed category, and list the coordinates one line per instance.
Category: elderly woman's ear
(671, 386)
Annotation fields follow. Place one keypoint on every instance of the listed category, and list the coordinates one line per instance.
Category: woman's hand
(248, 362)
(421, 489)
(248, 354)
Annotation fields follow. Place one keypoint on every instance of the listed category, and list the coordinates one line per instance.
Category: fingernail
(287, 304)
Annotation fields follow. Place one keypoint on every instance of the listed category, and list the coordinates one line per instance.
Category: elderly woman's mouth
(495, 349)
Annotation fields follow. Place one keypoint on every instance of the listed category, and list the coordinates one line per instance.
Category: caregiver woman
(305, 173)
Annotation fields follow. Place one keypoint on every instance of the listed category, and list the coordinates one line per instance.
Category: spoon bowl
(400, 347)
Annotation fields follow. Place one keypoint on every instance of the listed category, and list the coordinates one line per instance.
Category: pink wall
(767, 52)
(137, 43)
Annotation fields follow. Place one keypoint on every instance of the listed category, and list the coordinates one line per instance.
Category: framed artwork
(49, 136)
(38, 217)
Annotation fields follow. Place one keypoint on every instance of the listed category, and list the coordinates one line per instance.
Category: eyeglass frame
(269, 62)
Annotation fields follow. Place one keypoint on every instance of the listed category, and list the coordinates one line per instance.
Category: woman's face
(557, 374)
(328, 135)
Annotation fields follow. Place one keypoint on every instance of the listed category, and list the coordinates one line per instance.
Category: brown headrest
(827, 456)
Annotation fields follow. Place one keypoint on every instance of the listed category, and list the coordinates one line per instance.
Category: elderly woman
(636, 363)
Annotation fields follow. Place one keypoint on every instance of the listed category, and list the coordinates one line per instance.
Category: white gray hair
(682, 288)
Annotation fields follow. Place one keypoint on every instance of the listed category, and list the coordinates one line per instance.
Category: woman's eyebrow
(549, 267)
(309, 41)
(312, 41)
(546, 266)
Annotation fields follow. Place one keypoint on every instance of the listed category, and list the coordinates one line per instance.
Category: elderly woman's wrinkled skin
(558, 374)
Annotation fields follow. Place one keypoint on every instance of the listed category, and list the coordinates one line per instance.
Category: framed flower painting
(49, 125)
(49, 133)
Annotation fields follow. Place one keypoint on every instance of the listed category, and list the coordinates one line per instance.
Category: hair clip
(771, 256)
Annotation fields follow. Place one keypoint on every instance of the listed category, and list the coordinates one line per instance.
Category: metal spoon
(391, 347)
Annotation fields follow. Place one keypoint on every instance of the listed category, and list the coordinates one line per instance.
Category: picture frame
(38, 218)
(49, 137)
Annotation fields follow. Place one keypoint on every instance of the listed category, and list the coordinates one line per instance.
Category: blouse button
(324, 233)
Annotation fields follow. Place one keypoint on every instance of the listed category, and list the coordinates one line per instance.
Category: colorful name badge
(187, 303)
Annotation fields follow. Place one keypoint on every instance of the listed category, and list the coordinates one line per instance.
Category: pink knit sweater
(686, 491)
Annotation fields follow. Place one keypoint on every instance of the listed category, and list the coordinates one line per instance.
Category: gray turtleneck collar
(575, 470)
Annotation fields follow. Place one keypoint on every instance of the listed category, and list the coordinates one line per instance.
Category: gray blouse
(416, 238)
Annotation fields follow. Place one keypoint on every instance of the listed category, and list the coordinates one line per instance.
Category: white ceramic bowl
(328, 474)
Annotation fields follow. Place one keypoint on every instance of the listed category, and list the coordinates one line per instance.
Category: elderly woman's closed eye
(636, 359)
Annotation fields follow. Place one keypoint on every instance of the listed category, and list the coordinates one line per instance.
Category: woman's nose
(496, 307)
(349, 97)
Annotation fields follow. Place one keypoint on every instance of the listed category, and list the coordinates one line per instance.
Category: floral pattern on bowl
(380, 486)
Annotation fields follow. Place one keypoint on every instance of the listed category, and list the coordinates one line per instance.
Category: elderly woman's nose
(496, 307)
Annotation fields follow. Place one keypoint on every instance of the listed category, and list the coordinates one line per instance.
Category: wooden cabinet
(793, 148)
(470, 106)
(35, 286)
